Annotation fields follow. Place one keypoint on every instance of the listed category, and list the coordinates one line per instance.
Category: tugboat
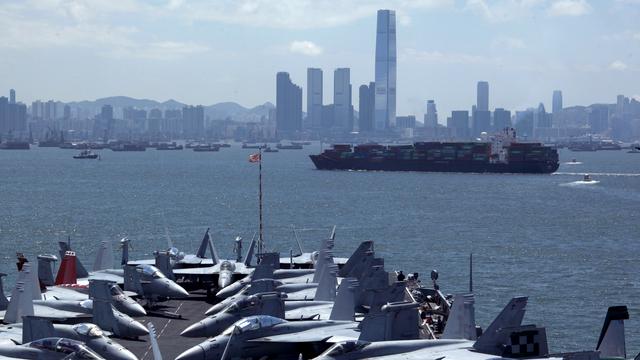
(86, 154)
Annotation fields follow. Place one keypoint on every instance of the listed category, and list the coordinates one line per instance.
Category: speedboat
(587, 178)
(86, 154)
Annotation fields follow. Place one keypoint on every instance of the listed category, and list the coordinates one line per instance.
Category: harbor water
(572, 247)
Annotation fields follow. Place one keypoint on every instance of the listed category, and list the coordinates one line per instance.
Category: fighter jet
(65, 285)
(258, 336)
(49, 348)
(34, 328)
(504, 338)
(307, 260)
(146, 281)
(99, 310)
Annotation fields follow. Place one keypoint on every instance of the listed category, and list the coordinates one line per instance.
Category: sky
(204, 52)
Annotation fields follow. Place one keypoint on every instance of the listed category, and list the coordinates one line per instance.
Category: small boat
(253, 146)
(635, 149)
(289, 147)
(587, 178)
(167, 146)
(270, 149)
(205, 148)
(574, 161)
(86, 154)
(15, 145)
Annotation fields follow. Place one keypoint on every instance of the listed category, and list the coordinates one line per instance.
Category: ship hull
(460, 166)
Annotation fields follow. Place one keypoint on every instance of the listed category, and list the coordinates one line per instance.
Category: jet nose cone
(136, 309)
(194, 353)
(176, 291)
(121, 354)
(228, 290)
(137, 329)
(198, 329)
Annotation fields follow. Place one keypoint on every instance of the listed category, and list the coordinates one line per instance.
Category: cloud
(503, 10)
(508, 42)
(305, 47)
(437, 57)
(300, 14)
(569, 8)
(618, 66)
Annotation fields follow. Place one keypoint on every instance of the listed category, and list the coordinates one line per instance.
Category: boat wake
(581, 183)
(596, 174)
(572, 163)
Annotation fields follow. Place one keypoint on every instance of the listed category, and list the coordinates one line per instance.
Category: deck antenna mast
(471, 272)
(261, 233)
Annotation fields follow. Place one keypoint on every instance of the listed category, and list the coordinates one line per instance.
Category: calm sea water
(572, 248)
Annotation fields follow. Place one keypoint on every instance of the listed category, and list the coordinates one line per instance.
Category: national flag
(254, 158)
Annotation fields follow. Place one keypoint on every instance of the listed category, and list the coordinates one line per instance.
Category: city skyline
(203, 68)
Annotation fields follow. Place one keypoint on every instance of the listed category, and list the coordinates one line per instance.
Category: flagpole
(260, 236)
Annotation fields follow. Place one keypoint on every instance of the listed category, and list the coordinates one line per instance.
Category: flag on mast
(254, 158)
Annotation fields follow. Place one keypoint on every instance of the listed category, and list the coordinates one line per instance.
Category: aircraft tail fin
(204, 244)
(353, 264)
(104, 317)
(45, 269)
(29, 275)
(461, 323)
(81, 271)
(100, 289)
(4, 302)
(611, 343)
(272, 303)
(326, 290)
(132, 279)
(124, 245)
(21, 303)
(67, 273)
(35, 328)
(332, 234)
(163, 263)
(157, 355)
(104, 256)
(393, 321)
(345, 303)
(262, 271)
(510, 317)
(250, 250)
(324, 258)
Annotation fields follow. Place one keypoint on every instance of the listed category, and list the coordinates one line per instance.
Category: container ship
(503, 154)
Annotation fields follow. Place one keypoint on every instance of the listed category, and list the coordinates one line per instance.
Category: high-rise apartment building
(288, 105)
(385, 67)
(314, 97)
(482, 103)
(343, 114)
(366, 107)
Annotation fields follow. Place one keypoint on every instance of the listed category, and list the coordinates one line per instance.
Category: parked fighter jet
(504, 338)
(307, 260)
(99, 309)
(144, 280)
(48, 348)
(34, 328)
(65, 286)
(258, 336)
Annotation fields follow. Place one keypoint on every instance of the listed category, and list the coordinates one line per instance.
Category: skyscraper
(192, 121)
(12, 96)
(288, 105)
(343, 116)
(385, 94)
(556, 102)
(459, 124)
(366, 107)
(431, 116)
(314, 97)
(501, 119)
(483, 96)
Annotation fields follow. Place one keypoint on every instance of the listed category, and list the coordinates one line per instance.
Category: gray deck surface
(171, 343)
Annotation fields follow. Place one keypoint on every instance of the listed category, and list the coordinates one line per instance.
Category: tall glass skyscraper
(483, 96)
(385, 98)
(314, 97)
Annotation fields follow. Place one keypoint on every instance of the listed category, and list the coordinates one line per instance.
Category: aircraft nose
(130, 307)
(229, 290)
(224, 281)
(196, 330)
(194, 353)
(137, 329)
(176, 291)
(215, 309)
(121, 353)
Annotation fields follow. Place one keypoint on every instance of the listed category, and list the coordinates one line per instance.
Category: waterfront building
(385, 68)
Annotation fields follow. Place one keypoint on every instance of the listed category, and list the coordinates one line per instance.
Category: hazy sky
(203, 52)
